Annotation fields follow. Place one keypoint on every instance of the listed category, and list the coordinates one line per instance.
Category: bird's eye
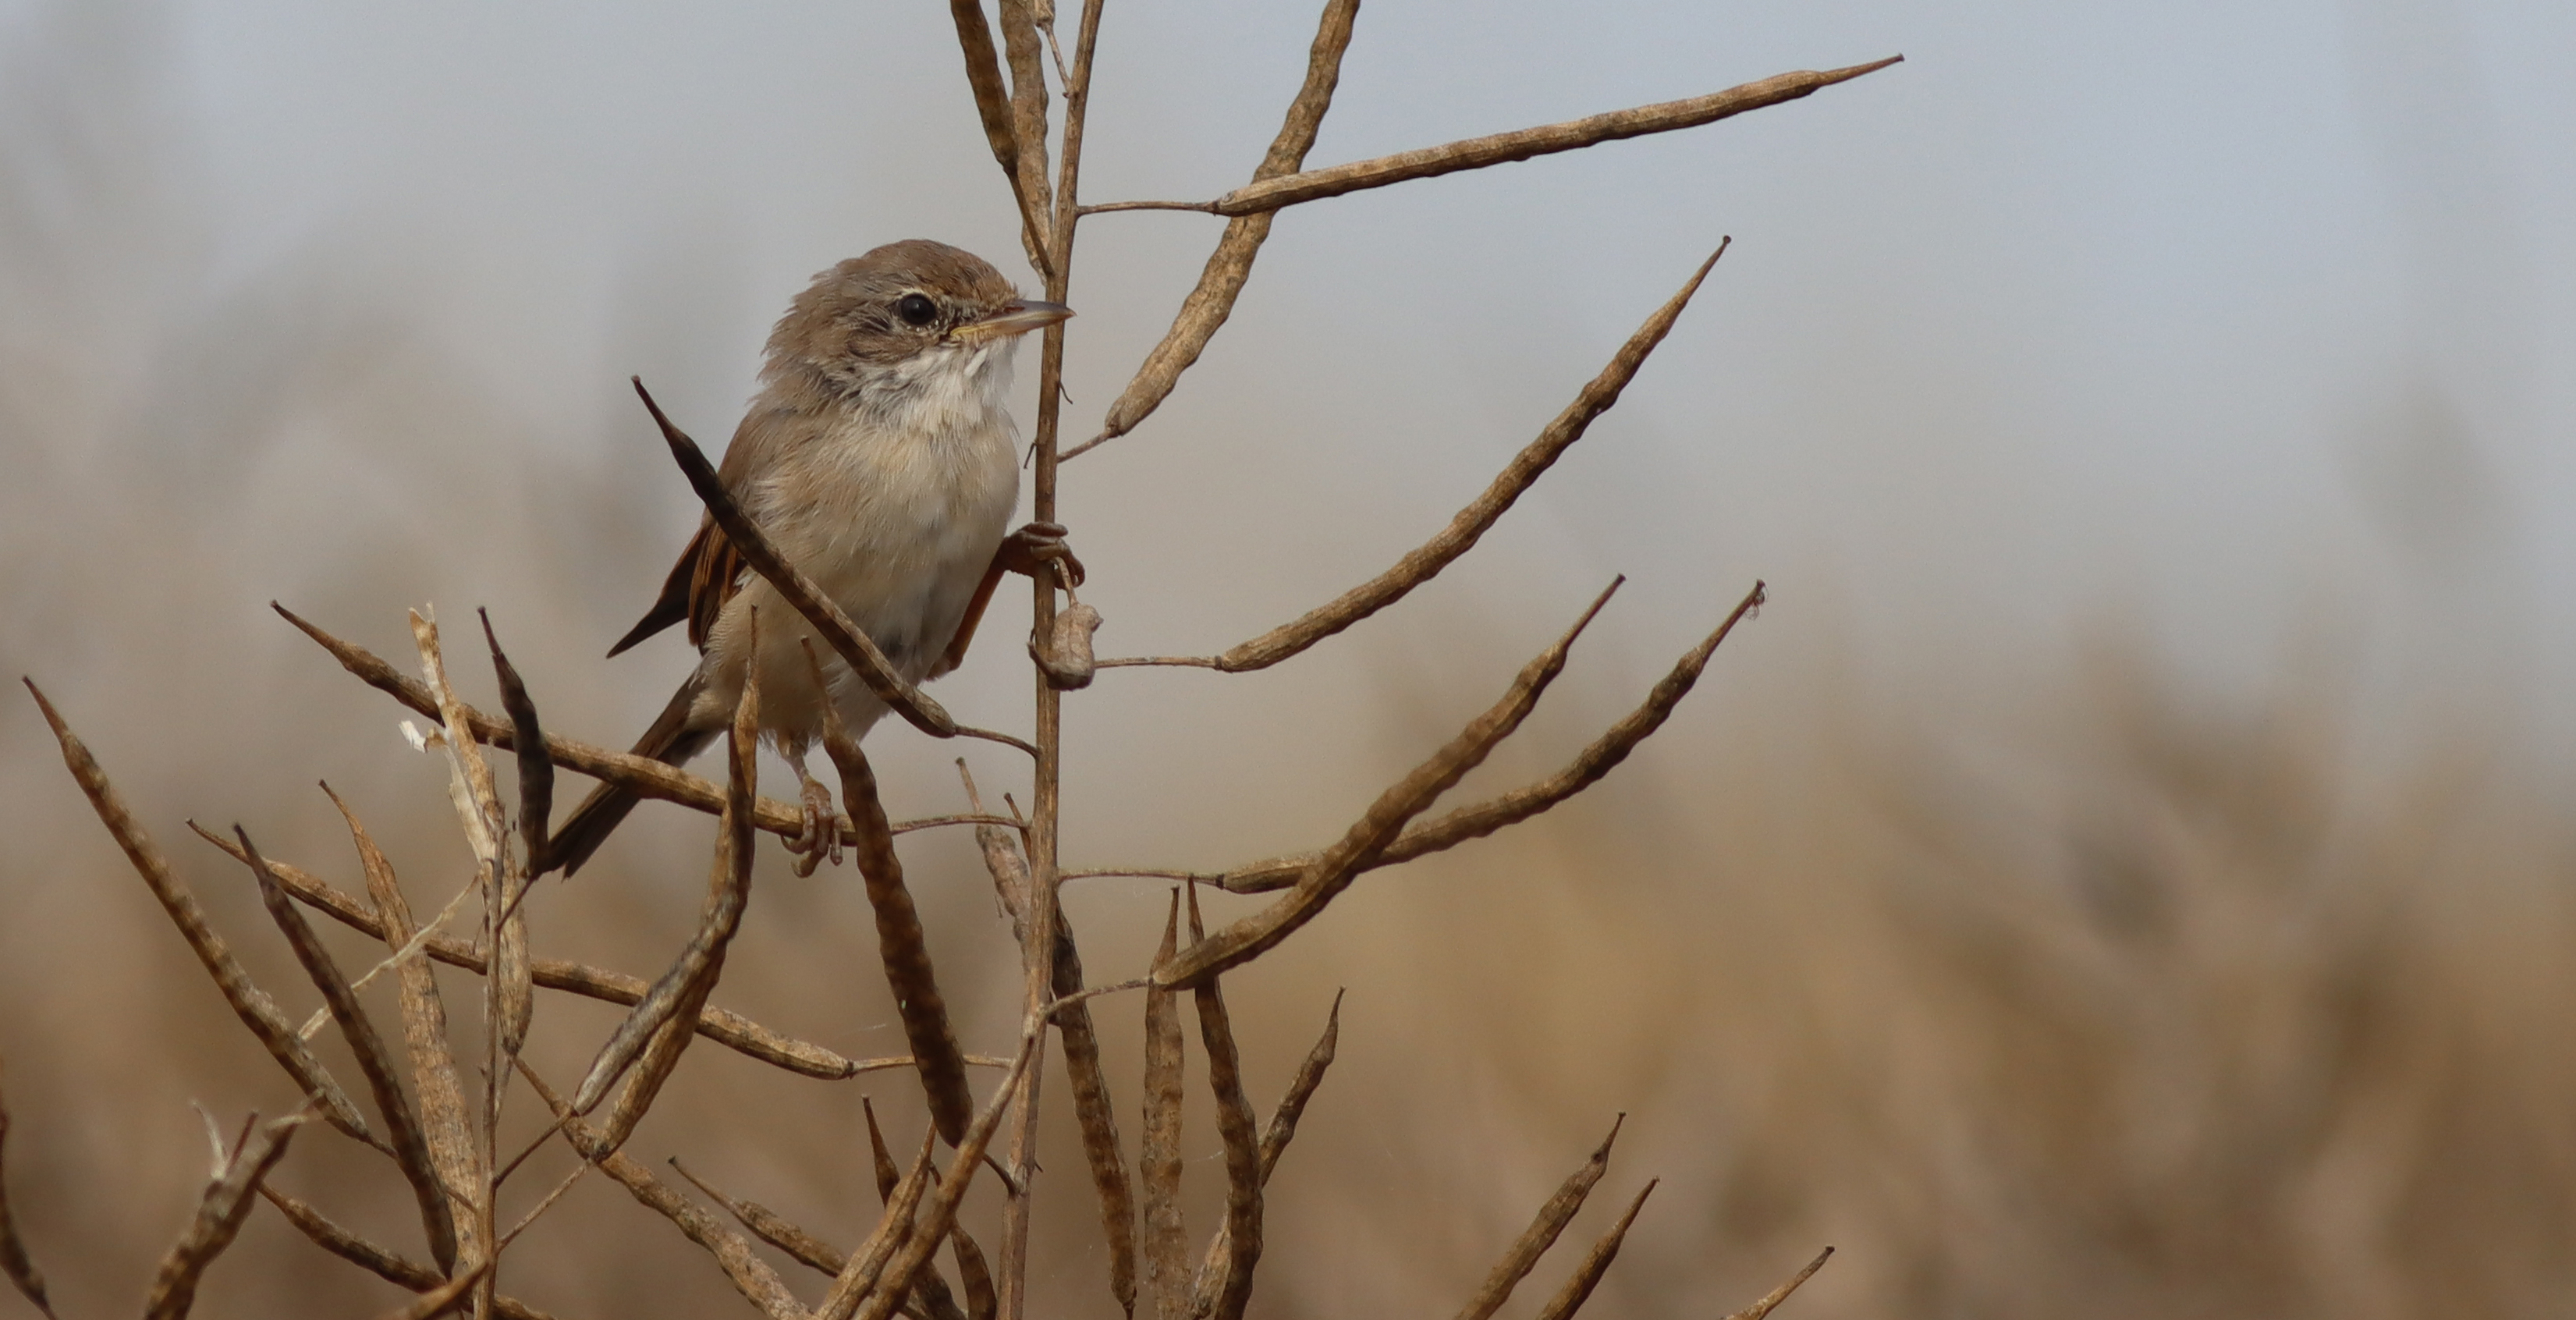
(916, 310)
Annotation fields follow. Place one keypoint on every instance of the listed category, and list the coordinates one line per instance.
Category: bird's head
(908, 319)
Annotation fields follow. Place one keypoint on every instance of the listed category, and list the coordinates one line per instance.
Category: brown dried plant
(438, 1106)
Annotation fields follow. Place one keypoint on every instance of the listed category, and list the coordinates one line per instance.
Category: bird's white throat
(949, 389)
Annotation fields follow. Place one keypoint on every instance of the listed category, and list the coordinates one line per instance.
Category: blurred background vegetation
(2125, 871)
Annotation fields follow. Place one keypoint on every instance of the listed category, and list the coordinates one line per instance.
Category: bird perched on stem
(878, 458)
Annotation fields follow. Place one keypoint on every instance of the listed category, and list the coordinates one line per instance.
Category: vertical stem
(1037, 949)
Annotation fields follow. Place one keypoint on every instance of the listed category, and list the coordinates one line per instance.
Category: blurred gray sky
(2248, 322)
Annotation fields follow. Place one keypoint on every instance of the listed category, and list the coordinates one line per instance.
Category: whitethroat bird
(878, 458)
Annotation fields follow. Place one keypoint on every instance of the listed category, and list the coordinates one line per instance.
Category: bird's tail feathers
(670, 741)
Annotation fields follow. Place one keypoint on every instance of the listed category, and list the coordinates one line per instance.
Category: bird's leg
(821, 836)
(1029, 552)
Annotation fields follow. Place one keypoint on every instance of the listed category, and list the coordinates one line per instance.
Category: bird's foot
(821, 837)
(1031, 549)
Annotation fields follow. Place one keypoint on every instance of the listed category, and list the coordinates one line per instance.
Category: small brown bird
(879, 458)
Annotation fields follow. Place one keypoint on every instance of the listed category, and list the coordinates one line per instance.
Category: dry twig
(14, 1260)
(901, 946)
(1781, 1294)
(375, 1063)
(656, 1030)
(1166, 1233)
(219, 1214)
(1250, 937)
(1205, 310)
(1541, 1234)
(249, 1003)
(1477, 820)
(1570, 1298)
(1425, 561)
(1519, 144)
(391, 1266)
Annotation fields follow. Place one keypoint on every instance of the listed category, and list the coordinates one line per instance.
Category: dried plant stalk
(726, 1028)
(1166, 1233)
(385, 1264)
(1570, 1298)
(1477, 820)
(249, 1003)
(1425, 561)
(771, 1227)
(219, 1216)
(930, 1293)
(640, 775)
(1275, 1137)
(1520, 144)
(750, 1275)
(1025, 52)
(375, 1062)
(14, 1260)
(1250, 937)
(894, 1228)
(1781, 1294)
(939, 1213)
(1310, 1074)
(443, 1298)
(795, 587)
(536, 769)
(1222, 1293)
(993, 107)
(900, 942)
(1541, 1234)
(443, 1122)
(1097, 1118)
(975, 1277)
(656, 1029)
(1205, 310)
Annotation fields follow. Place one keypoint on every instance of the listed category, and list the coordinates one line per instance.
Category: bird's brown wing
(710, 571)
(708, 574)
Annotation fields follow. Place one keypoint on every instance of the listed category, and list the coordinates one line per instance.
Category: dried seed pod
(1066, 656)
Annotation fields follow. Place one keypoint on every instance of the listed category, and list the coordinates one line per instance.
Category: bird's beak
(1017, 317)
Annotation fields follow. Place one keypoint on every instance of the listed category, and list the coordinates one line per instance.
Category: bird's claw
(1029, 550)
(821, 837)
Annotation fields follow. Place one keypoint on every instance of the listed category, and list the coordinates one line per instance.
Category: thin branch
(219, 1216)
(375, 1062)
(1570, 1298)
(793, 585)
(993, 108)
(1541, 1234)
(440, 1300)
(433, 1062)
(901, 946)
(1424, 562)
(726, 1028)
(1221, 1293)
(939, 1212)
(1401, 802)
(1521, 144)
(14, 1260)
(751, 1276)
(1477, 820)
(771, 1227)
(654, 1030)
(385, 1264)
(536, 769)
(1026, 55)
(930, 1292)
(1208, 305)
(1097, 1118)
(1166, 1232)
(249, 1003)
(1781, 1294)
